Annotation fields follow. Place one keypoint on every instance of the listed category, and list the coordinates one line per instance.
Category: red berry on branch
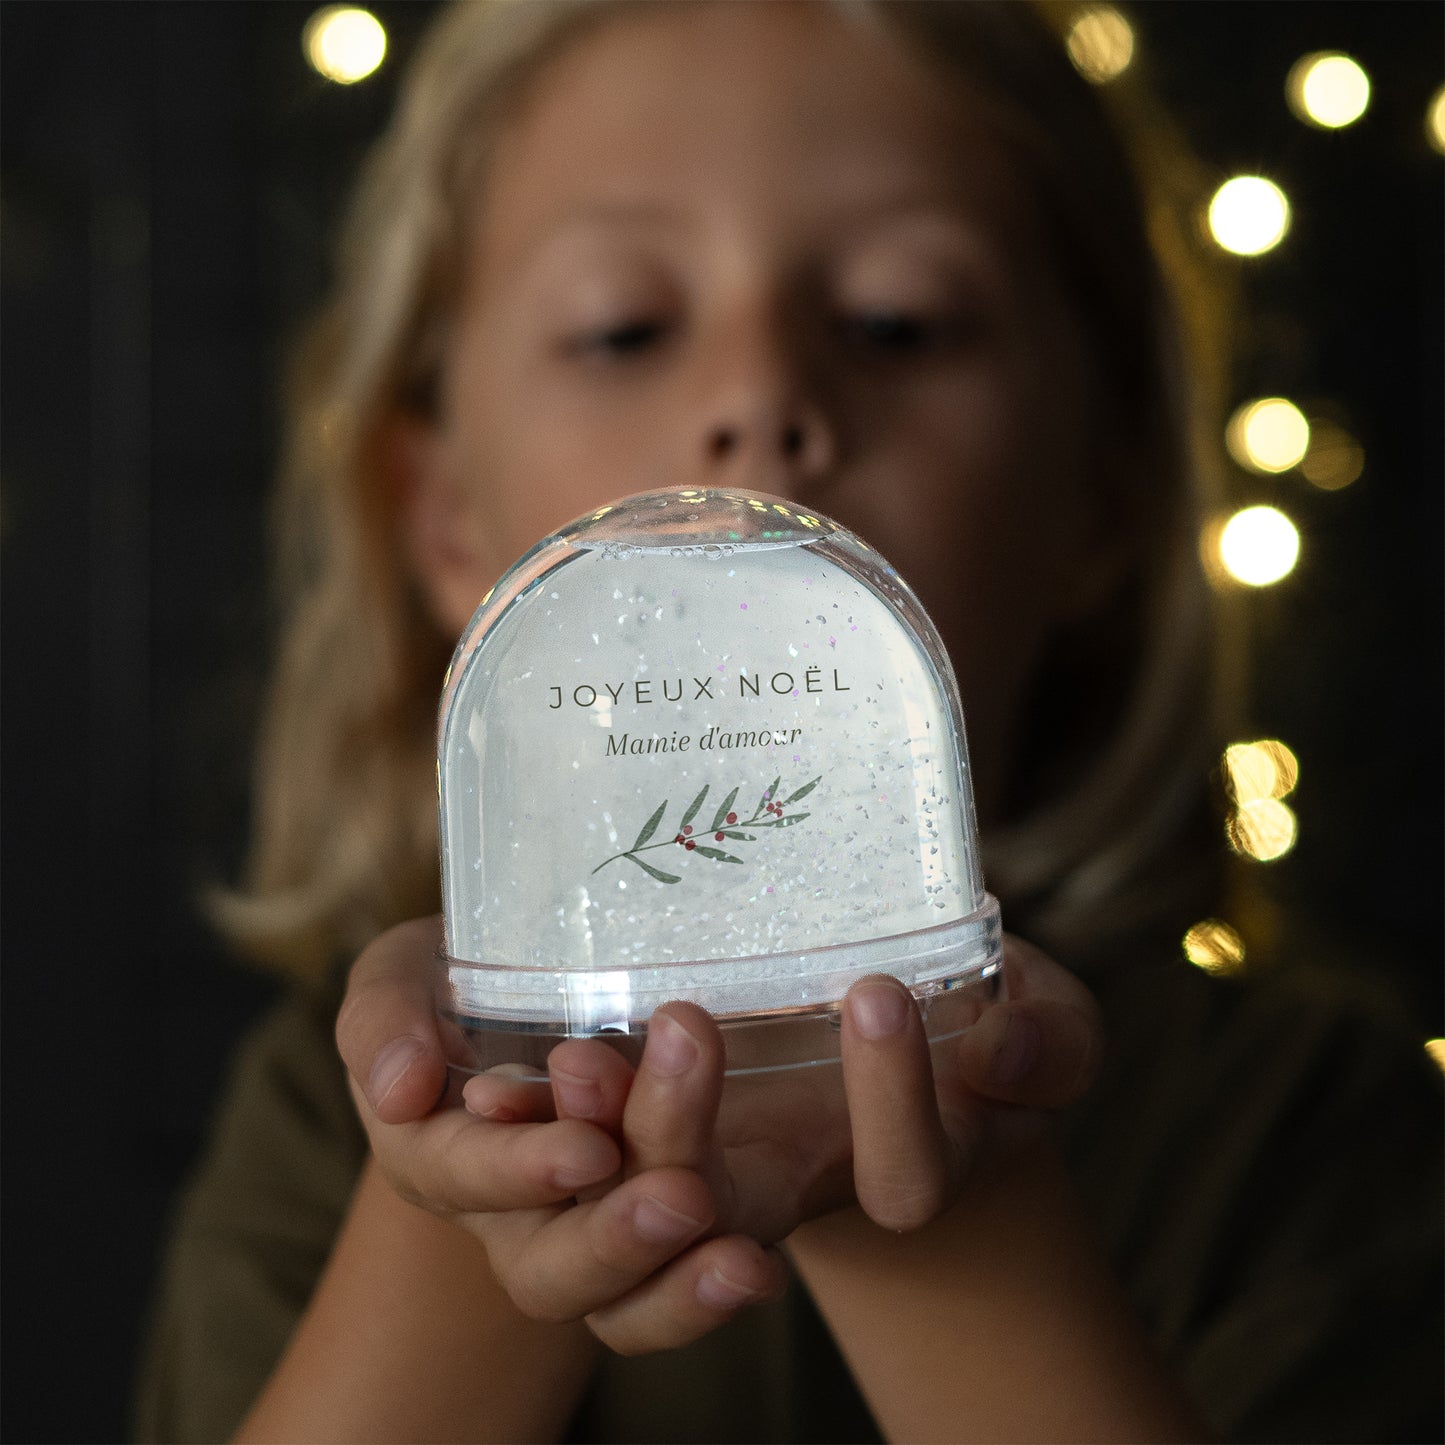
(732, 817)
(678, 839)
(688, 829)
(689, 845)
(718, 836)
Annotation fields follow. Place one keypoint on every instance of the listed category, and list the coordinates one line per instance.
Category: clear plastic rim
(567, 1002)
(802, 1036)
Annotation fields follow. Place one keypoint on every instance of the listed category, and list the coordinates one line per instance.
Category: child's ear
(437, 519)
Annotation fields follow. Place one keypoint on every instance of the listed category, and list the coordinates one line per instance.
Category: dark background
(171, 172)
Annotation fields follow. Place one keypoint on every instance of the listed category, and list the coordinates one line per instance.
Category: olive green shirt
(1264, 1164)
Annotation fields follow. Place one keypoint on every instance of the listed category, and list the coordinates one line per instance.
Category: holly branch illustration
(726, 826)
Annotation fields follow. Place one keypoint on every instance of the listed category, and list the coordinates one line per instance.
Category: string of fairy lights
(1259, 545)
(1255, 546)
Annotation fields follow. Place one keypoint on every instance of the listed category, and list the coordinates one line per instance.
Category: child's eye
(892, 331)
(626, 338)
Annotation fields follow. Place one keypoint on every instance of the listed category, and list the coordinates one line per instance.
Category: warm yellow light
(1334, 459)
(1328, 89)
(1100, 43)
(1435, 120)
(1436, 1049)
(1248, 215)
(1268, 435)
(1263, 830)
(1215, 947)
(1258, 546)
(1266, 769)
(344, 43)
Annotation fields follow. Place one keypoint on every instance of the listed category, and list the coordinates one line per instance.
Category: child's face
(748, 245)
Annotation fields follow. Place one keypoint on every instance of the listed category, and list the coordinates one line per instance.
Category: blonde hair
(345, 840)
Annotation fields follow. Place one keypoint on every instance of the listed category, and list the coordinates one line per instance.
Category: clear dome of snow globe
(703, 745)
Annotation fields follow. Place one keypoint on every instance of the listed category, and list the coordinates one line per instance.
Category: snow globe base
(775, 1012)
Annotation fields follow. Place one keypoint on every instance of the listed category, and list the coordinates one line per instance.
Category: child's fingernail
(477, 1098)
(670, 1048)
(571, 1179)
(389, 1066)
(719, 1292)
(878, 1010)
(1016, 1052)
(658, 1224)
(579, 1098)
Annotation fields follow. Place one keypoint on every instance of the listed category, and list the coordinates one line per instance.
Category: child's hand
(781, 1149)
(510, 1172)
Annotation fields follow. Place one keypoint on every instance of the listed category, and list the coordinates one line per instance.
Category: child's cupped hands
(649, 1200)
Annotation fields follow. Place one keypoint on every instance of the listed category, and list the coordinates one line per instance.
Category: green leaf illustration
(692, 808)
(769, 796)
(719, 829)
(803, 791)
(724, 808)
(656, 872)
(788, 821)
(650, 826)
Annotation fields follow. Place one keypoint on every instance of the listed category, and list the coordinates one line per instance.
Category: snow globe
(703, 745)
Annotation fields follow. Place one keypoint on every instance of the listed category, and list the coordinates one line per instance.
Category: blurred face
(754, 246)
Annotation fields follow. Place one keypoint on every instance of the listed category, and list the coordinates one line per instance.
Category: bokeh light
(1264, 769)
(1100, 43)
(1327, 89)
(1436, 1049)
(1268, 435)
(1263, 830)
(1435, 120)
(1334, 459)
(1215, 947)
(1258, 546)
(344, 43)
(1248, 215)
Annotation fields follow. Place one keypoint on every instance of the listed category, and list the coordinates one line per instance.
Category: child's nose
(801, 445)
(764, 422)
